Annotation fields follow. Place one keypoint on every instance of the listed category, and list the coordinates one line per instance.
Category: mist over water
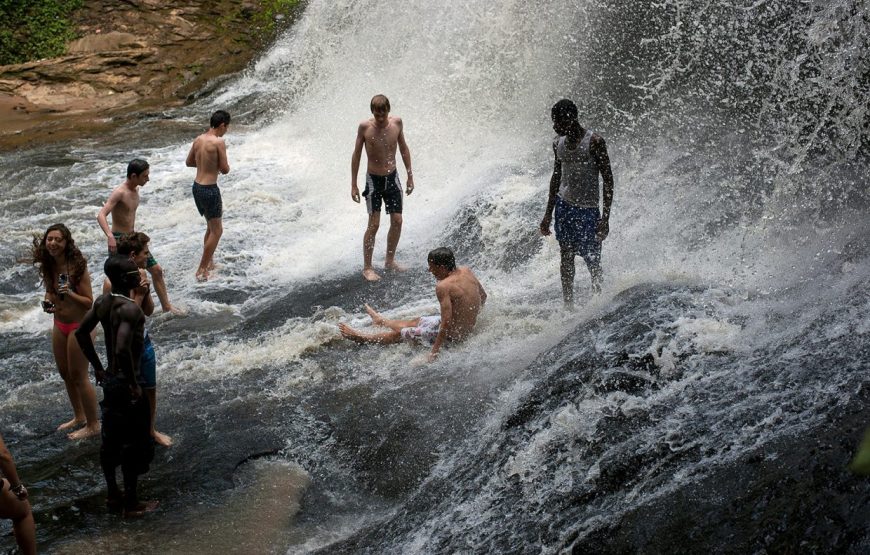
(732, 327)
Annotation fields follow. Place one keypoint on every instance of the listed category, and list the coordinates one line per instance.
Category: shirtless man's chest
(381, 147)
(124, 212)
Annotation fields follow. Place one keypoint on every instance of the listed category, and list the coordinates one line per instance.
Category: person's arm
(7, 467)
(355, 159)
(85, 293)
(124, 348)
(86, 343)
(102, 219)
(443, 294)
(406, 157)
(223, 161)
(142, 294)
(191, 156)
(603, 161)
(555, 181)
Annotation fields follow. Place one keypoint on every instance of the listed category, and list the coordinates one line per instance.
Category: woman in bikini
(68, 295)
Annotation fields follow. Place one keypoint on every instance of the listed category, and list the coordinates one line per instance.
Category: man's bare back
(208, 154)
(466, 298)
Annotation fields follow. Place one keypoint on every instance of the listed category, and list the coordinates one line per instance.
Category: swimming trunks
(148, 366)
(425, 330)
(66, 328)
(126, 429)
(383, 187)
(119, 236)
(208, 200)
(576, 228)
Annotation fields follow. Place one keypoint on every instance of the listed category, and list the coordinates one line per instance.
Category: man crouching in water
(460, 295)
(126, 428)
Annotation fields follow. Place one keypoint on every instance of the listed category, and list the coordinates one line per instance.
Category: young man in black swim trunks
(208, 154)
(126, 413)
(381, 135)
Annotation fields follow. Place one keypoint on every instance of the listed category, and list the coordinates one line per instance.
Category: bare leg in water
(209, 244)
(384, 338)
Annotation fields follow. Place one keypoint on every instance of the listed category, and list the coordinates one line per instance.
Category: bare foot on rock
(141, 509)
(350, 333)
(74, 423)
(370, 274)
(161, 439)
(86, 432)
(395, 267)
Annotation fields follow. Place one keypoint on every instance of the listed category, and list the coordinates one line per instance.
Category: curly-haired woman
(68, 295)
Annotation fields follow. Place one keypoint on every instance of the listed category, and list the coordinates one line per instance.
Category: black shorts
(208, 200)
(126, 428)
(383, 187)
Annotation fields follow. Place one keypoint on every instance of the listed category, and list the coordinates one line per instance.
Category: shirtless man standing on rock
(122, 205)
(208, 154)
(460, 295)
(381, 135)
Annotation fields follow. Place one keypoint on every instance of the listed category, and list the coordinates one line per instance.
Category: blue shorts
(208, 200)
(576, 228)
(148, 366)
(386, 188)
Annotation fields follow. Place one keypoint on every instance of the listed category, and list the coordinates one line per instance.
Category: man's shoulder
(120, 191)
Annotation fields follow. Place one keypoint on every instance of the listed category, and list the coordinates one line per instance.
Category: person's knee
(374, 224)
(215, 227)
(395, 221)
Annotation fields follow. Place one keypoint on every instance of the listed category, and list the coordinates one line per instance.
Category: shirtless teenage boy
(208, 154)
(381, 135)
(460, 295)
(122, 205)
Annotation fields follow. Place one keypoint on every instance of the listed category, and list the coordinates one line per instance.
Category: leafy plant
(34, 29)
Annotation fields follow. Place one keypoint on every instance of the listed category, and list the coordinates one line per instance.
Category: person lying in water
(460, 295)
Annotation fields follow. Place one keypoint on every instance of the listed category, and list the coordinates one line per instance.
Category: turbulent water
(709, 399)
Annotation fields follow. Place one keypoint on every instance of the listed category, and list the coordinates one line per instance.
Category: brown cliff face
(134, 55)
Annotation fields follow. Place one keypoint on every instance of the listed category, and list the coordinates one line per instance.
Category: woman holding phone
(68, 295)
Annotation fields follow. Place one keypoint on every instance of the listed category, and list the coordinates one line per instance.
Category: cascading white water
(740, 186)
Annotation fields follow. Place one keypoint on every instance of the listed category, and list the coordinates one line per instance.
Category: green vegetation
(266, 19)
(34, 29)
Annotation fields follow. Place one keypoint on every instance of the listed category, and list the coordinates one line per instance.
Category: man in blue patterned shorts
(581, 156)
